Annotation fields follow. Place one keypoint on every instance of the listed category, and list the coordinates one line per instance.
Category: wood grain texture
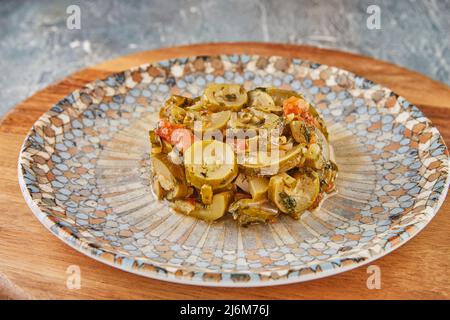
(33, 262)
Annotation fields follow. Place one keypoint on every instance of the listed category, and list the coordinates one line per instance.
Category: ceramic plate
(84, 171)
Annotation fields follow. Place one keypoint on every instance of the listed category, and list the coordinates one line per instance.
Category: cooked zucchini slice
(327, 176)
(169, 176)
(176, 101)
(219, 97)
(218, 207)
(294, 198)
(261, 100)
(302, 132)
(262, 163)
(216, 121)
(279, 95)
(210, 162)
(253, 118)
(313, 156)
(248, 211)
(207, 194)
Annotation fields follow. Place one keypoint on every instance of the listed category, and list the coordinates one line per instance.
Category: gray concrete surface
(36, 48)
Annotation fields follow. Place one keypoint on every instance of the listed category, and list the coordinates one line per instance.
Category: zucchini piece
(294, 199)
(313, 157)
(207, 194)
(249, 211)
(261, 100)
(215, 121)
(327, 176)
(218, 97)
(158, 191)
(174, 101)
(253, 118)
(155, 141)
(301, 132)
(268, 165)
(242, 182)
(210, 162)
(258, 187)
(169, 176)
(215, 210)
(279, 95)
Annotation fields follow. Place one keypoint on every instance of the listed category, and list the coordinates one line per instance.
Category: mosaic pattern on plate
(85, 170)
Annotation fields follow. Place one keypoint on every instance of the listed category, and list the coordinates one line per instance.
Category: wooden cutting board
(33, 263)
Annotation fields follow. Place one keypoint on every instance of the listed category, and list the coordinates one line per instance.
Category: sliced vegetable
(242, 182)
(303, 110)
(155, 141)
(294, 199)
(166, 146)
(248, 211)
(215, 210)
(313, 156)
(270, 121)
(328, 176)
(323, 143)
(174, 101)
(216, 121)
(196, 105)
(207, 194)
(262, 163)
(302, 133)
(320, 122)
(210, 162)
(177, 115)
(219, 97)
(169, 176)
(158, 191)
(253, 118)
(258, 187)
(279, 95)
(261, 100)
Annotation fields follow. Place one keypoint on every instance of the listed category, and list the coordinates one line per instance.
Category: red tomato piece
(165, 129)
(300, 108)
(182, 138)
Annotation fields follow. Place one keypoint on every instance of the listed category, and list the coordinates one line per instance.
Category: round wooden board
(34, 264)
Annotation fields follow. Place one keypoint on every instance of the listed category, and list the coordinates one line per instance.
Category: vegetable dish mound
(254, 154)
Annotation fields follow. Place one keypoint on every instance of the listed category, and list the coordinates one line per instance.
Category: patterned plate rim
(159, 273)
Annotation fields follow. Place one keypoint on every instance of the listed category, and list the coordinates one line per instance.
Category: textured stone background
(37, 49)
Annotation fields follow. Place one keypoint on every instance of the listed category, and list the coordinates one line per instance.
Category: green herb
(306, 133)
(288, 202)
